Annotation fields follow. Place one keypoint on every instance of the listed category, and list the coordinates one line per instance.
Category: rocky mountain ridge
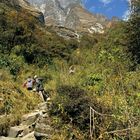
(70, 14)
(69, 19)
(63, 13)
(31, 9)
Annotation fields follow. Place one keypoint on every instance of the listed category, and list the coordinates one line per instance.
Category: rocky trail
(33, 126)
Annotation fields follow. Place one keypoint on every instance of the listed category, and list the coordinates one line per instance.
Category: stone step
(33, 125)
(20, 131)
(42, 106)
(7, 138)
(43, 128)
(29, 136)
(29, 119)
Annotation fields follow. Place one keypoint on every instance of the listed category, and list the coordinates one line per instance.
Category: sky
(109, 8)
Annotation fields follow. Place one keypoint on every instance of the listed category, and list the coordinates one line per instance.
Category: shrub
(94, 82)
(72, 105)
(4, 62)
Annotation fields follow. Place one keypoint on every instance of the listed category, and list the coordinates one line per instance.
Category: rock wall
(70, 14)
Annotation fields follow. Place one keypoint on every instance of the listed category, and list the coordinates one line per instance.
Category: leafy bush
(72, 105)
(14, 69)
(4, 62)
(94, 82)
(12, 63)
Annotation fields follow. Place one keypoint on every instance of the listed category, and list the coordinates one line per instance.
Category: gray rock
(29, 137)
(52, 10)
(39, 134)
(7, 138)
(43, 128)
(55, 11)
(19, 131)
(42, 106)
(31, 118)
(70, 14)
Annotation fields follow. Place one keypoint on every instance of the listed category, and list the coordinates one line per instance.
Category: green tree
(133, 30)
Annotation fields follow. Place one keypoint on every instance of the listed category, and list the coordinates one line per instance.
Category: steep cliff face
(55, 11)
(67, 3)
(52, 10)
(81, 20)
(70, 14)
(26, 5)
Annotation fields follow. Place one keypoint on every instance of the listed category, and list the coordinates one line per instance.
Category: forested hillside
(98, 70)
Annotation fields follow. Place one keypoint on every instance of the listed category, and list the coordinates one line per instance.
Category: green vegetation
(133, 31)
(103, 77)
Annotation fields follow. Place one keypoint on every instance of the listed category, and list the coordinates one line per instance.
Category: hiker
(29, 83)
(39, 86)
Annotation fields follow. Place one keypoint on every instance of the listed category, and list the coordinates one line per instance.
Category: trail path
(33, 126)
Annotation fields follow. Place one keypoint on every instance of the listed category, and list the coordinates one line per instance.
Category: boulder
(20, 131)
(42, 106)
(7, 138)
(29, 136)
(42, 128)
(30, 119)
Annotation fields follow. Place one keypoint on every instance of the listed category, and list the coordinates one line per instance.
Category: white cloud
(106, 1)
(129, 1)
(126, 15)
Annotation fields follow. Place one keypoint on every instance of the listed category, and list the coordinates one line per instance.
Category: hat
(35, 76)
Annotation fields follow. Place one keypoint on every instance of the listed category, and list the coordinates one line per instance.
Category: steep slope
(52, 10)
(70, 14)
(101, 77)
(81, 20)
(23, 41)
(24, 4)
(19, 4)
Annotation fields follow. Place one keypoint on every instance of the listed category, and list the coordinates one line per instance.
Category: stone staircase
(34, 126)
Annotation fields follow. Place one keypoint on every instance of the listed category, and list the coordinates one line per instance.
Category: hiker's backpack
(29, 83)
(39, 85)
